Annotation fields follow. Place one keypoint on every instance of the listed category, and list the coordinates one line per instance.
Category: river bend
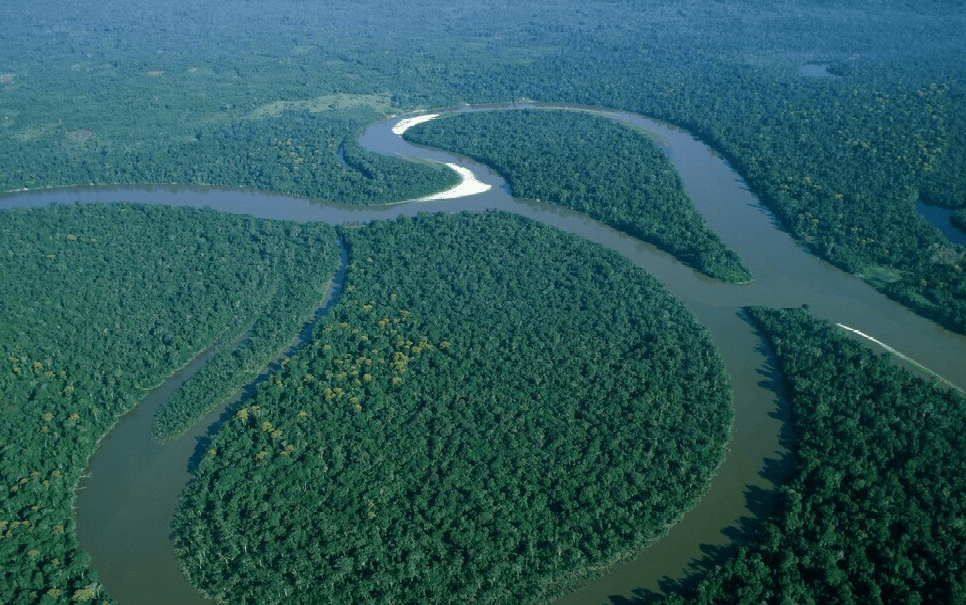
(785, 275)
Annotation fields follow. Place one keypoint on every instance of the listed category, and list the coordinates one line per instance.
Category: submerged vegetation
(592, 164)
(486, 423)
(874, 513)
(99, 304)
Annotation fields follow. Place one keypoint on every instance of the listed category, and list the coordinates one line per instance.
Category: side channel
(126, 503)
(785, 275)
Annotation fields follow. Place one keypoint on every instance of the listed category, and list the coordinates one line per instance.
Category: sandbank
(469, 185)
(404, 125)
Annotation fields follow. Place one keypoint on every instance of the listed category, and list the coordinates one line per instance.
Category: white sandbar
(404, 125)
(470, 185)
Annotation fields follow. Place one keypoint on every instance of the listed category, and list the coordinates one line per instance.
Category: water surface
(941, 218)
(741, 492)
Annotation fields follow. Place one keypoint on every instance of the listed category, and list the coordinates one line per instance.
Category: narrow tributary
(785, 275)
(127, 500)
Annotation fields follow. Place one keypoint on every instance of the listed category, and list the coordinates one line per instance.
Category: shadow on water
(760, 502)
(247, 392)
(941, 218)
(745, 490)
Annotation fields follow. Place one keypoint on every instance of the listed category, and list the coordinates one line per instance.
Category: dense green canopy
(493, 409)
(244, 94)
(592, 164)
(272, 95)
(100, 303)
(875, 512)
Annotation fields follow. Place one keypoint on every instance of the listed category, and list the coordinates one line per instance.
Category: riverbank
(787, 276)
(469, 185)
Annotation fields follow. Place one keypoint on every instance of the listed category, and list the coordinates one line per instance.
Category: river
(785, 275)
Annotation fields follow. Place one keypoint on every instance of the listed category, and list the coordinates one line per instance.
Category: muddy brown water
(124, 508)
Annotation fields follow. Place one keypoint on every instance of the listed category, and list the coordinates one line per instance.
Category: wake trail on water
(903, 357)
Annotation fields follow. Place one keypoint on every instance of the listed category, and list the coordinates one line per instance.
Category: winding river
(125, 506)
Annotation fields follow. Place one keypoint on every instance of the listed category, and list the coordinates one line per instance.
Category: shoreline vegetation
(100, 300)
(464, 427)
(227, 93)
(873, 512)
(926, 371)
(290, 297)
(588, 163)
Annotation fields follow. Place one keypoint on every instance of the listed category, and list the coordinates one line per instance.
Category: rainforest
(690, 342)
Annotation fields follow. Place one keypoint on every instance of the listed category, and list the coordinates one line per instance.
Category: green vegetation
(875, 513)
(199, 92)
(958, 219)
(286, 292)
(485, 423)
(300, 152)
(272, 95)
(591, 164)
(100, 303)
